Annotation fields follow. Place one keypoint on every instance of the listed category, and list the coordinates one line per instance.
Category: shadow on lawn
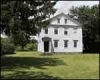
(9, 63)
(28, 75)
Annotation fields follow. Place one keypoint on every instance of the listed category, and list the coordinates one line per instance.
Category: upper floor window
(55, 31)
(65, 32)
(46, 31)
(65, 43)
(75, 30)
(58, 20)
(65, 21)
(55, 43)
(75, 43)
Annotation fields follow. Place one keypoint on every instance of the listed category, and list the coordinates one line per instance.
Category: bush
(7, 47)
(18, 48)
(31, 46)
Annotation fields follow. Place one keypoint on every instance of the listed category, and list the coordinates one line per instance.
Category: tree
(89, 18)
(15, 20)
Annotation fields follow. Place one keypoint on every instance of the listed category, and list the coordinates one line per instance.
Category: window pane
(75, 43)
(65, 43)
(75, 30)
(55, 43)
(65, 21)
(58, 20)
(56, 31)
(46, 31)
(65, 32)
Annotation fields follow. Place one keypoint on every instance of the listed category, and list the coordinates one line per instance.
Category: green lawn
(30, 65)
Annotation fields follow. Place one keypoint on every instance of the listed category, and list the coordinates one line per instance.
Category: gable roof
(73, 20)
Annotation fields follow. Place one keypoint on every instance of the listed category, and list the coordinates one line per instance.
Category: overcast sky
(64, 6)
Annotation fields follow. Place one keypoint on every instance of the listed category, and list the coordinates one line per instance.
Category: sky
(64, 6)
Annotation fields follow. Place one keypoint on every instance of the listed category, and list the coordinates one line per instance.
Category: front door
(46, 46)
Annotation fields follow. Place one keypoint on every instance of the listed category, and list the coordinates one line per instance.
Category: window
(75, 30)
(65, 32)
(75, 43)
(55, 31)
(46, 31)
(55, 43)
(65, 43)
(58, 21)
(65, 21)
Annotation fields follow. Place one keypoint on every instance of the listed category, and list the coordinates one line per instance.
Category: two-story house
(63, 34)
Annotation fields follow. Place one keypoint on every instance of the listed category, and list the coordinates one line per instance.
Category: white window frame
(65, 21)
(55, 30)
(46, 31)
(65, 43)
(58, 20)
(75, 43)
(57, 43)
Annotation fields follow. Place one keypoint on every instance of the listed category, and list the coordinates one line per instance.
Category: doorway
(46, 46)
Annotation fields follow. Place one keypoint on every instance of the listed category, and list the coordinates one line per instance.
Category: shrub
(7, 47)
(18, 48)
(31, 46)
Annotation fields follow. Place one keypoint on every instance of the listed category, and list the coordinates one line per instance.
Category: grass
(32, 65)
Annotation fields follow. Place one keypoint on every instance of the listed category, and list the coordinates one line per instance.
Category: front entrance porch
(46, 46)
(46, 41)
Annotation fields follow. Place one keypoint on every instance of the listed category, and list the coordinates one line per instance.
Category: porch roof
(46, 38)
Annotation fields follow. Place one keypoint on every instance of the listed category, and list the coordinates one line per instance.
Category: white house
(63, 34)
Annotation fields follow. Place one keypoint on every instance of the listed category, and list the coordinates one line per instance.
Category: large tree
(89, 18)
(15, 20)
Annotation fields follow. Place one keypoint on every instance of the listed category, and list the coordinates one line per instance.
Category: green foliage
(89, 18)
(28, 47)
(18, 48)
(15, 18)
(7, 47)
(20, 39)
(15, 14)
(31, 46)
